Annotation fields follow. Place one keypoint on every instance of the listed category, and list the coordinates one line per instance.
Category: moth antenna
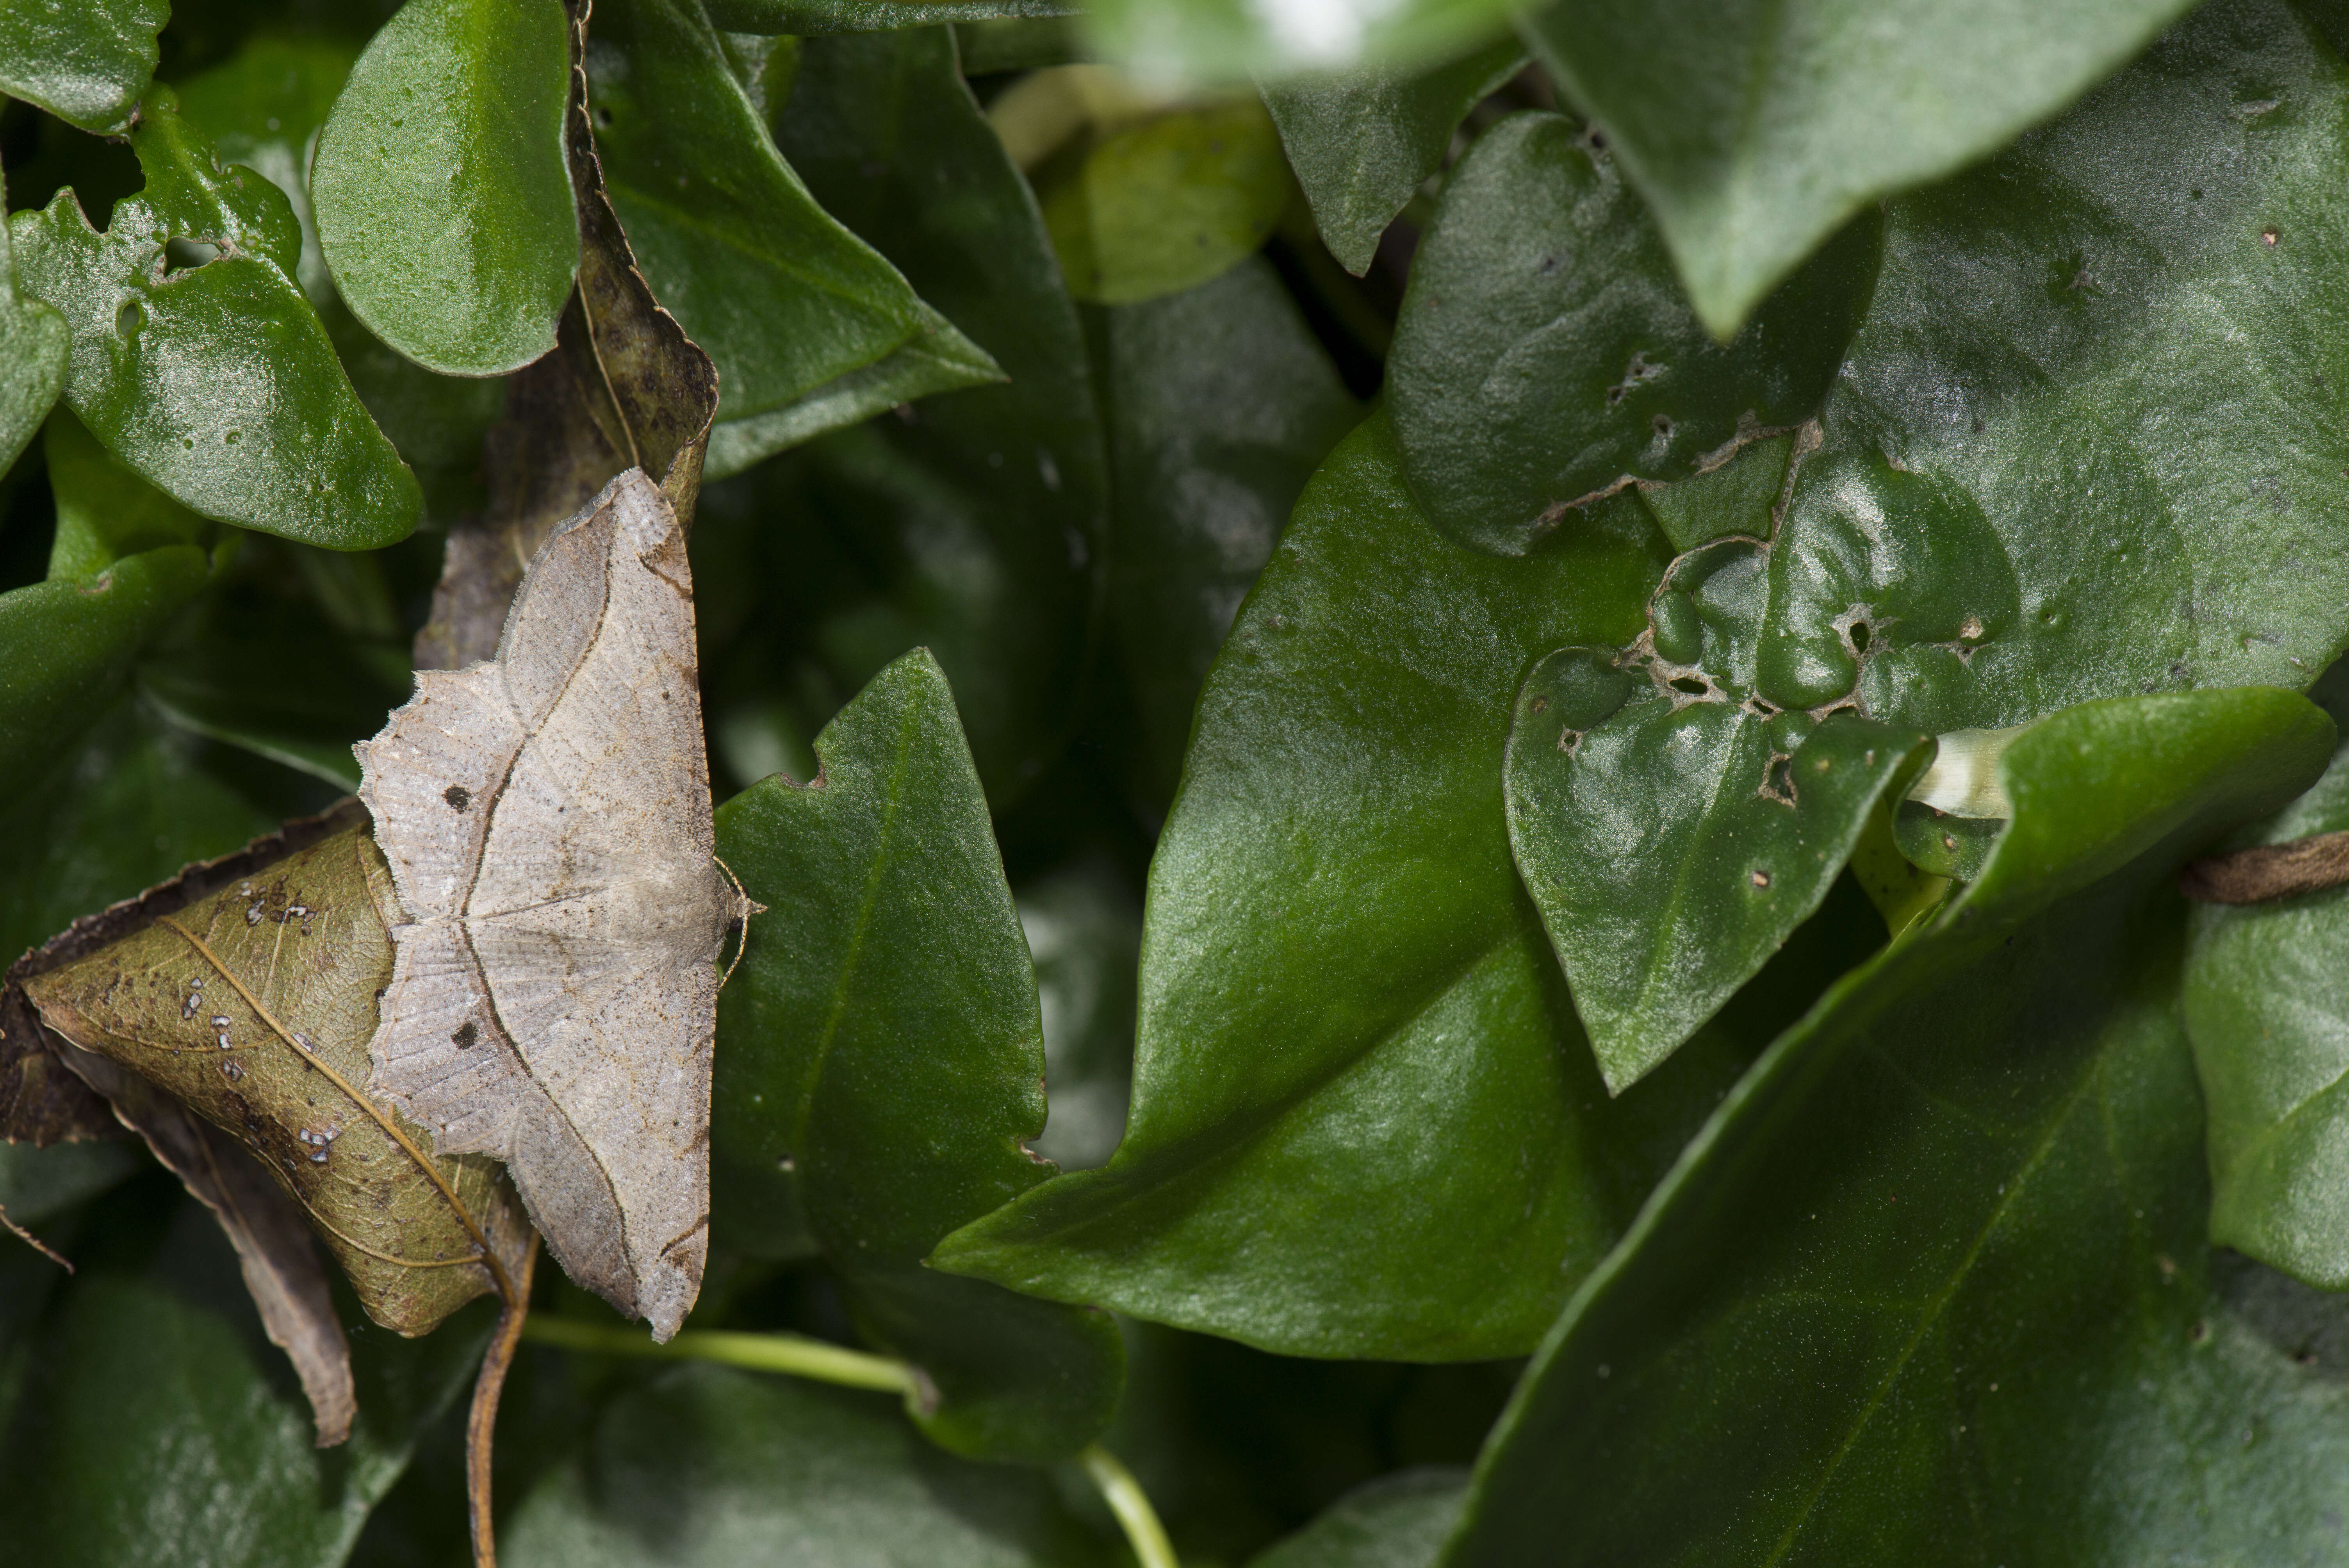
(750, 906)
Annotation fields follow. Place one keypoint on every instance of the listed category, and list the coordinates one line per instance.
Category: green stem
(793, 1352)
(1131, 1505)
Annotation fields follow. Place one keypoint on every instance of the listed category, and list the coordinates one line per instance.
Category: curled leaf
(246, 989)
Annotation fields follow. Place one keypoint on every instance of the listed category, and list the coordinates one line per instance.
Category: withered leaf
(624, 387)
(548, 823)
(246, 992)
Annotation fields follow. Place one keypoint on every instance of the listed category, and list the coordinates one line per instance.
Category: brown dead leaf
(624, 387)
(41, 1100)
(245, 990)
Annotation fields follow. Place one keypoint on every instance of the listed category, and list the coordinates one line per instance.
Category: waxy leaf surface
(892, 955)
(33, 343)
(813, 18)
(1932, 1285)
(809, 327)
(1233, 41)
(1348, 1010)
(2012, 508)
(1754, 131)
(1219, 405)
(1544, 350)
(1364, 141)
(1396, 1522)
(86, 63)
(213, 378)
(2267, 1008)
(443, 203)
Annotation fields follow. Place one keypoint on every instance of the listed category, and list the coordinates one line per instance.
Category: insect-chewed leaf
(251, 996)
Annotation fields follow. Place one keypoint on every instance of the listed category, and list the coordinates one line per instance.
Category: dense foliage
(1469, 735)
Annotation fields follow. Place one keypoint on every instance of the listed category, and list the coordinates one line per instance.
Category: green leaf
(893, 956)
(273, 677)
(33, 344)
(1671, 836)
(1084, 928)
(1220, 404)
(2263, 1002)
(709, 1466)
(814, 18)
(1349, 1011)
(105, 511)
(1168, 204)
(974, 523)
(128, 807)
(1996, 525)
(1397, 1522)
(1363, 142)
(810, 328)
(213, 378)
(1233, 40)
(1932, 1285)
(260, 108)
(39, 1183)
(1999, 450)
(1544, 350)
(1754, 132)
(443, 198)
(86, 63)
(157, 1425)
(67, 645)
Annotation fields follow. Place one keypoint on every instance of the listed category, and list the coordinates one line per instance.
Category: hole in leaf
(1692, 684)
(130, 318)
(1663, 427)
(1859, 637)
(186, 256)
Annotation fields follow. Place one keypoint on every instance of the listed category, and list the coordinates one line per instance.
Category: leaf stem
(1131, 1505)
(481, 1422)
(795, 1353)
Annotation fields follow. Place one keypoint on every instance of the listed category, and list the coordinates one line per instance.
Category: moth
(553, 995)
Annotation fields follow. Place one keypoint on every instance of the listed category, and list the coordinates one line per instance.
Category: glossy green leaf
(1220, 404)
(810, 328)
(814, 18)
(893, 956)
(157, 1424)
(105, 511)
(1233, 41)
(2007, 491)
(716, 1468)
(1933, 1285)
(85, 63)
(66, 647)
(443, 200)
(33, 343)
(1348, 1010)
(213, 378)
(1165, 205)
(1754, 131)
(2264, 1003)
(2044, 538)
(1363, 142)
(1084, 928)
(973, 522)
(259, 107)
(1398, 1521)
(1544, 350)
(1672, 833)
